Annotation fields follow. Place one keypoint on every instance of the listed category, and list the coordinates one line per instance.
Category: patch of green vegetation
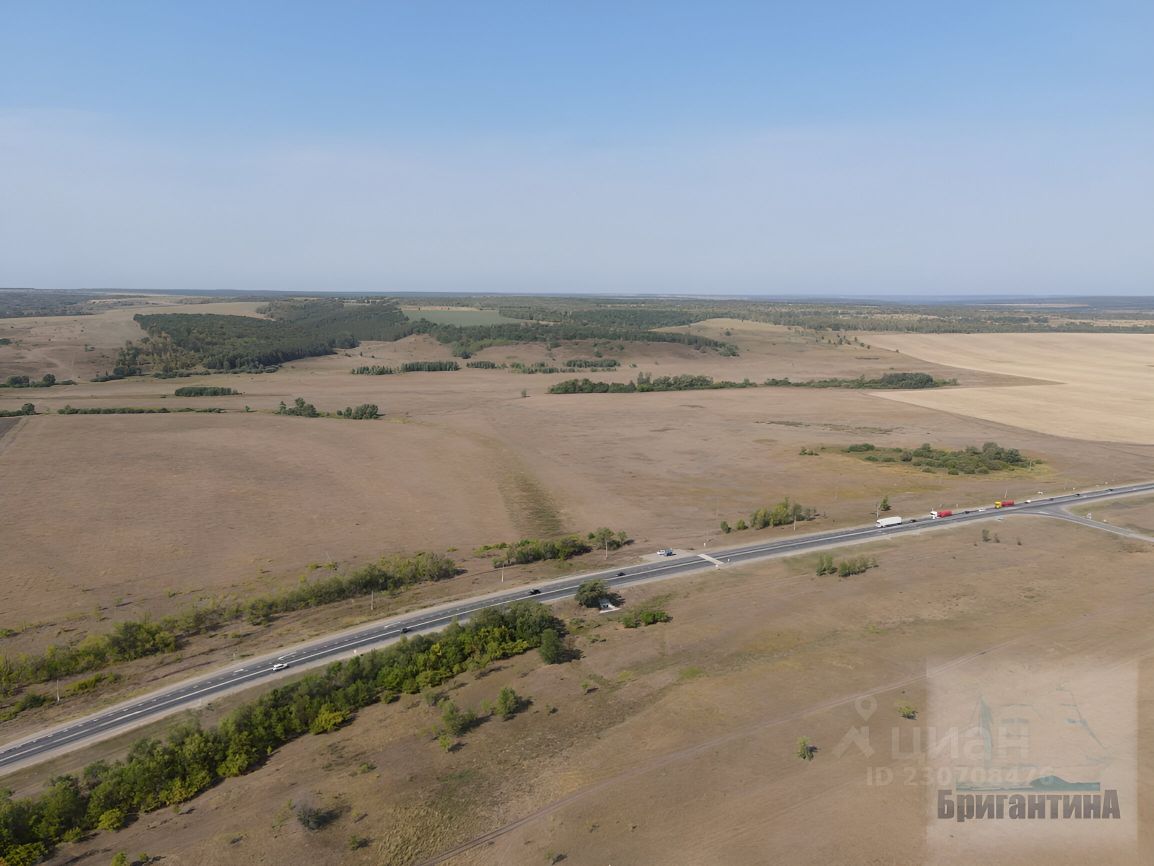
(132, 410)
(204, 391)
(537, 550)
(991, 457)
(888, 381)
(644, 616)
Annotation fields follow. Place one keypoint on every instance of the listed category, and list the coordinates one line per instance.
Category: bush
(552, 649)
(645, 616)
(365, 411)
(509, 703)
(457, 722)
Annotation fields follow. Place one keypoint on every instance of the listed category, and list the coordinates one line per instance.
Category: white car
(280, 666)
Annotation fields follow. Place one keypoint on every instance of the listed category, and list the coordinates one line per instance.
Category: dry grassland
(675, 744)
(120, 516)
(1101, 385)
(1135, 513)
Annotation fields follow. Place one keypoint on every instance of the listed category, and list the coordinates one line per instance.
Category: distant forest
(298, 329)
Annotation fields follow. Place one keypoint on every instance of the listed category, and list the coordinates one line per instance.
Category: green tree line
(139, 638)
(991, 457)
(158, 773)
(204, 391)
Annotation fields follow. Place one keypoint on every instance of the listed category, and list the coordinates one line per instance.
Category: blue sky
(782, 148)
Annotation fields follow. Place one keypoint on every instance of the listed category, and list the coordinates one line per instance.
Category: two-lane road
(252, 672)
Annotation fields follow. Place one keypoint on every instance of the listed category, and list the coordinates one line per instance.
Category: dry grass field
(676, 743)
(1101, 386)
(121, 516)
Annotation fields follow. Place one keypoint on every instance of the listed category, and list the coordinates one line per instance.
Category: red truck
(1003, 503)
(945, 512)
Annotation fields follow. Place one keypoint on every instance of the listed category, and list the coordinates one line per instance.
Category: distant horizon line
(742, 296)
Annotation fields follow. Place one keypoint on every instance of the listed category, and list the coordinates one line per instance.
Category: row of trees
(539, 549)
(159, 773)
(783, 513)
(26, 409)
(204, 391)
(971, 460)
(45, 381)
(139, 638)
(846, 567)
(131, 410)
(888, 381)
(595, 363)
(407, 367)
(647, 382)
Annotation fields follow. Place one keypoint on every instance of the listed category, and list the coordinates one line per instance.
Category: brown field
(126, 515)
(1101, 385)
(1135, 513)
(675, 743)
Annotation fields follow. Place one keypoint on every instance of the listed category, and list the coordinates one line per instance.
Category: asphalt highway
(269, 670)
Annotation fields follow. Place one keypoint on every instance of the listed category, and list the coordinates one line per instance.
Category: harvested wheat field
(677, 743)
(1101, 385)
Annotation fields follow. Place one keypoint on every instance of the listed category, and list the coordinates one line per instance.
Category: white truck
(888, 521)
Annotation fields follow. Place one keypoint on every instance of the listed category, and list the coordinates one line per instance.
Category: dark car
(404, 629)
(621, 574)
(534, 592)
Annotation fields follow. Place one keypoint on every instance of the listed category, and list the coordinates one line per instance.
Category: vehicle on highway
(884, 522)
(404, 629)
(621, 574)
(666, 552)
(280, 666)
(534, 592)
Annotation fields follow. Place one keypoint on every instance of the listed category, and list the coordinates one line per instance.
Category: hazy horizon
(833, 151)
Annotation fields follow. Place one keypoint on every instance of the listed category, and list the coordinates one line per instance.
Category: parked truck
(1003, 503)
(937, 515)
(888, 521)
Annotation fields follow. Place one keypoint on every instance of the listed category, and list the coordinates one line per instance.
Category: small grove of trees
(592, 592)
(537, 550)
(991, 457)
(644, 616)
(374, 370)
(26, 409)
(365, 411)
(300, 408)
(159, 773)
(45, 381)
(429, 366)
(847, 567)
(781, 514)
(204, 391)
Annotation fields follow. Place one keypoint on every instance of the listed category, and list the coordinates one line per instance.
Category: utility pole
(372, 600)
